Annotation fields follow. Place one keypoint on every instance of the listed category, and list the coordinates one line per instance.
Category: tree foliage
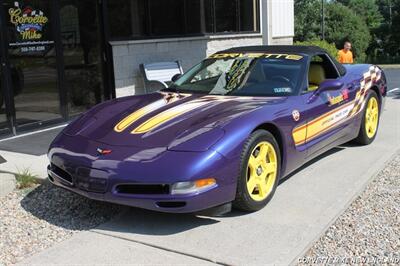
(341, 24)
(366, 9)
(388, 34)
(307, 20)
(373, 26)
(329, 47)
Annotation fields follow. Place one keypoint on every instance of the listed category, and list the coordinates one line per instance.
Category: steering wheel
(282, 79)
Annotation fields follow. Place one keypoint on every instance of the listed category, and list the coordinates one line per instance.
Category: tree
(388, 33)
(373, 18)
(367, 9)
(342, 24)
(307, 20)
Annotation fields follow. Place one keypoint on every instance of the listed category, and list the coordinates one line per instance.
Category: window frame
(304, 90)
(203, 31)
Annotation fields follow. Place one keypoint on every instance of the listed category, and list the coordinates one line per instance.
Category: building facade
(61, 57)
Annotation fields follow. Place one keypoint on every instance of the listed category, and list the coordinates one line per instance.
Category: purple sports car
(224, 132)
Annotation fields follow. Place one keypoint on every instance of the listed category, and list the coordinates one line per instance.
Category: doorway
(84, 64)
(3, 116)
(54, 54)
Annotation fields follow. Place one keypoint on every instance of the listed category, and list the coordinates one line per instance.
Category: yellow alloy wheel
(262, 170)
(372, 117)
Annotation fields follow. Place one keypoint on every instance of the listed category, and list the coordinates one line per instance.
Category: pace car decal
(339, 99)
(296, 115)
(256, 55)
(373, 75)
(322, 124)
(132, 118)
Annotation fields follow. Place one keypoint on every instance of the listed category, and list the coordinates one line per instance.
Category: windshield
(254, 74)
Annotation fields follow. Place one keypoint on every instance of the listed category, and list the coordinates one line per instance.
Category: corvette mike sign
(30, 24)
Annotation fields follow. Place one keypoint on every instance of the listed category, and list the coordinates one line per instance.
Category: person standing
(345, 56)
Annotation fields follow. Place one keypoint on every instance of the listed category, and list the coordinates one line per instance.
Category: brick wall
(128, 55)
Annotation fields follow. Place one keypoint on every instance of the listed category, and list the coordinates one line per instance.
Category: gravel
(33, 220)
(368, 232)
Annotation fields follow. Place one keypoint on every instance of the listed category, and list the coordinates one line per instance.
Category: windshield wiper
(173, 89)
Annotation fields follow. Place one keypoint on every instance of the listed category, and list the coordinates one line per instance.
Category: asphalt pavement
(304, 206)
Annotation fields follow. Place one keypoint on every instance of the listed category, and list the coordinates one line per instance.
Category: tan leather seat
(316, 76)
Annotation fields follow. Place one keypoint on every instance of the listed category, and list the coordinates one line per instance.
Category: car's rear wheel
(259, 173)
(370, 121)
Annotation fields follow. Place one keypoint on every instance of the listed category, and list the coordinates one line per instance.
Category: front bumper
(148, 180)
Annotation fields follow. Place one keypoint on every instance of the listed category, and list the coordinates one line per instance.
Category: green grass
(25, 179)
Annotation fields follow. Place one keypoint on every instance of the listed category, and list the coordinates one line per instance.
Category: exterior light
(192, 186)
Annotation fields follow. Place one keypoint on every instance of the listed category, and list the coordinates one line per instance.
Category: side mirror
(329, 85)
(176, 77)
(326, 85)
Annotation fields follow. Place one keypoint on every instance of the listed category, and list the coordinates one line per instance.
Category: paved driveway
(302, 209)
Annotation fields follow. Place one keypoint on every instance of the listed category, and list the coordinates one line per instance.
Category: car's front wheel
(259, 173)
(370, 121)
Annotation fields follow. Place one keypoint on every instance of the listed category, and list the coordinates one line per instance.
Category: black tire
(362, 137)
(243, 200)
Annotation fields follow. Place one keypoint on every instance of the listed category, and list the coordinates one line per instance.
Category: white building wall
(277, 21)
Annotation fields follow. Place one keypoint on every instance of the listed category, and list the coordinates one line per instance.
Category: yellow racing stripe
(132, 118)
(166, 116)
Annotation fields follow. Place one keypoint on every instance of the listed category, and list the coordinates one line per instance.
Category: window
(245, 75)
(320, 69)
(144, 19)
(232, 16)
(225, 15)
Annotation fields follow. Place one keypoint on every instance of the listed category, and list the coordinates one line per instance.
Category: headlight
(193, 186)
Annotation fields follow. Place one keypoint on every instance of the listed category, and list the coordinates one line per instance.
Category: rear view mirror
(176, 77)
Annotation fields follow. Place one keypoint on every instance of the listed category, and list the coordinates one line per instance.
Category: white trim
(182, 39)
(33, 133)
(282, 37)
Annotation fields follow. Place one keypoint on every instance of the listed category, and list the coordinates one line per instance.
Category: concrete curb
(7, 183)
(374, 174)
(390, 66)
(17, 162)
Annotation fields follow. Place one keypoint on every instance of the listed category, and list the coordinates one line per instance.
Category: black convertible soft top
(296, 49)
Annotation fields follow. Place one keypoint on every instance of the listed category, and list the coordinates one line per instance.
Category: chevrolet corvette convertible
(223, 133)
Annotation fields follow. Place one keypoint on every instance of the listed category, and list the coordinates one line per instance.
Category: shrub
(25, 179)
(329, 47)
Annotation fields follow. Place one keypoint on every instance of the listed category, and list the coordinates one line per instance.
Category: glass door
(32, 61)
(3, 116)
(5, 125)
(83, 54)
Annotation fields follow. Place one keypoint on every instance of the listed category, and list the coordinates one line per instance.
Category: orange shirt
(345, 57)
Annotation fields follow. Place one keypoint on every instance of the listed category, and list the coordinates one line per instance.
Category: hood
(163, 119)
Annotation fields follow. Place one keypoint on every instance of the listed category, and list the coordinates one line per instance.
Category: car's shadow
(74, 212)
(67, 210)
(70, 211)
